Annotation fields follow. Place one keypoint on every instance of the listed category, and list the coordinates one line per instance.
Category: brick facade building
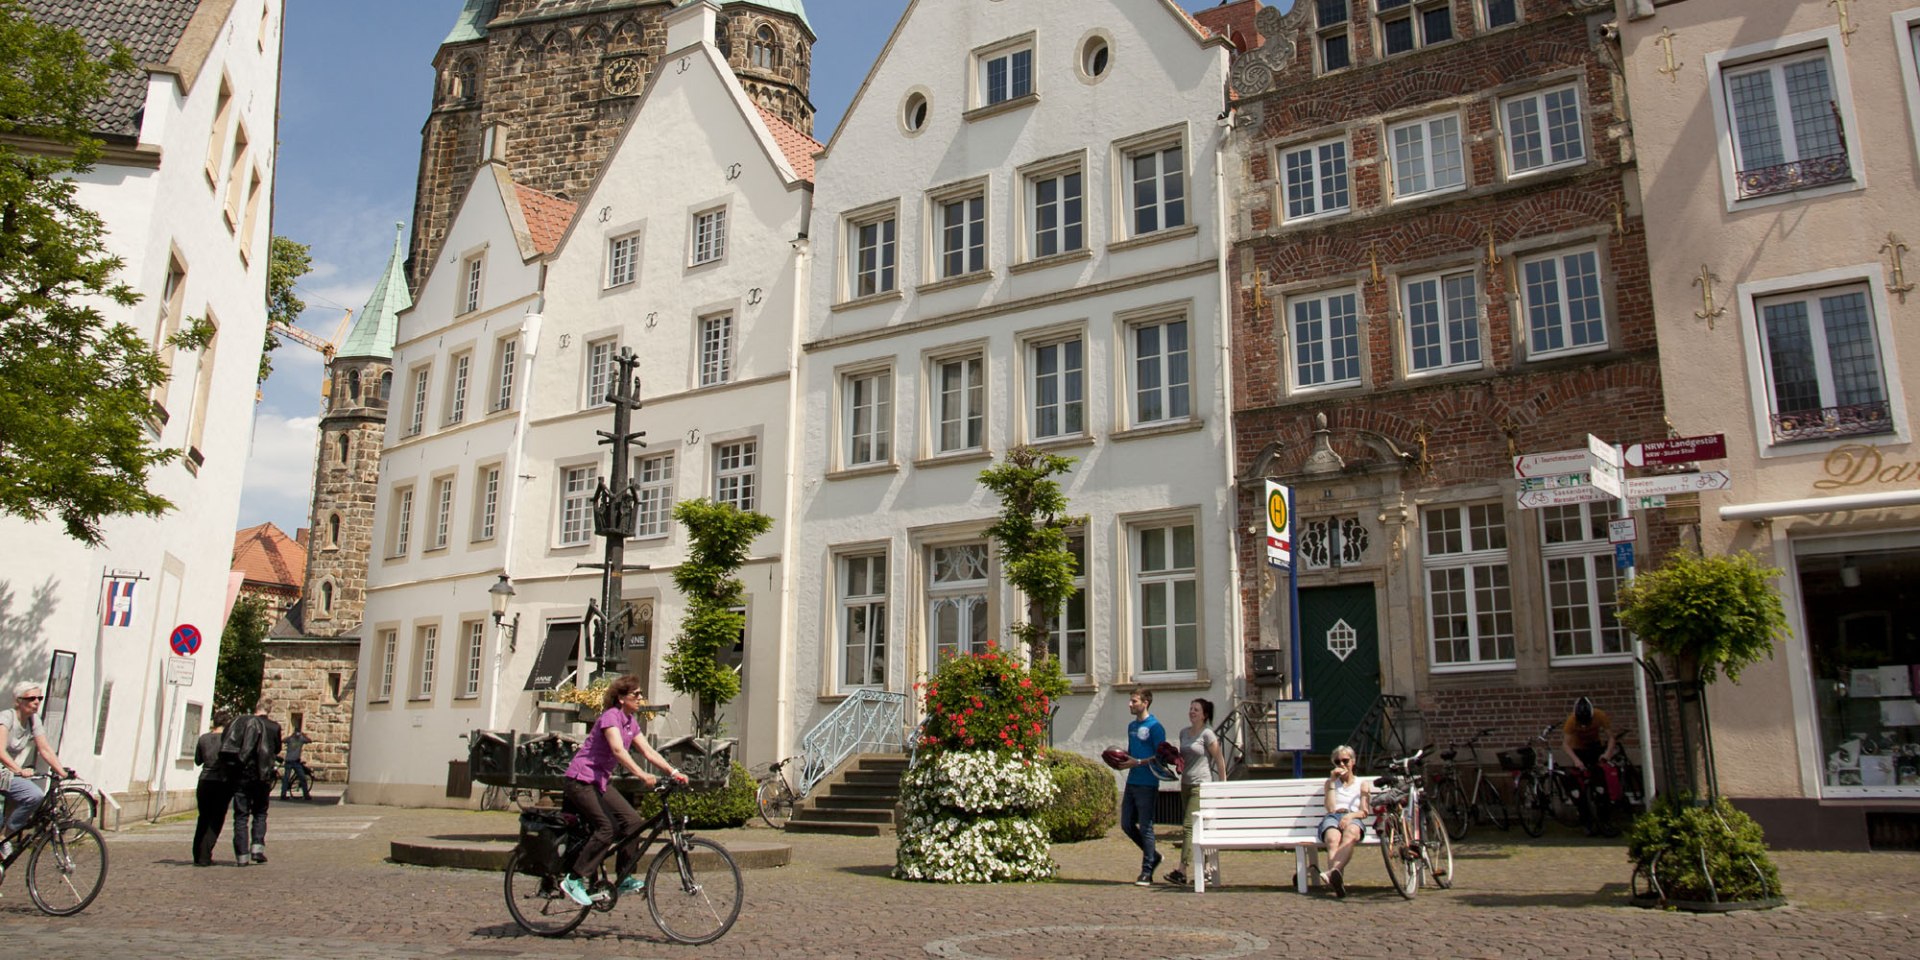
(309, 684)
(559, 79)
(1440, 266)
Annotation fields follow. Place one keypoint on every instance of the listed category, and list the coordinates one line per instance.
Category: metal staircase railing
(868, 721)
(1390, 725)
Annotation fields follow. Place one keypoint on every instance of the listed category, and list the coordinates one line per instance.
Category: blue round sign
(185, 639)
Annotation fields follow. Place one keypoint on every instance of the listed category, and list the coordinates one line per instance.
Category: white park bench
(1262, 815)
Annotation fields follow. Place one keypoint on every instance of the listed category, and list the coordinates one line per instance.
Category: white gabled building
(1019, 239)
(185, 192)
(689, 250)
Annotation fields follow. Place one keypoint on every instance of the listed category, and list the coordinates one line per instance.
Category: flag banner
(1279, 526)
(120, 603)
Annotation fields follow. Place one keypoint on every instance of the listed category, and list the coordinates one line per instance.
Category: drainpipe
(1237, 645)
(516, 454)
(783, 735)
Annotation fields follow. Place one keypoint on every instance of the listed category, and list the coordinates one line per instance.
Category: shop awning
(1819, 505)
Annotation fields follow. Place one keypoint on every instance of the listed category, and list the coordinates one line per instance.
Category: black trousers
(612, 817)
(250, 814)
(213, 797)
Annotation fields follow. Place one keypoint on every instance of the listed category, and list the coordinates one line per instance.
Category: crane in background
(313, 342)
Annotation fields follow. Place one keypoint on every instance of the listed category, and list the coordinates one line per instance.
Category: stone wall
(313, 680)
(344, 490)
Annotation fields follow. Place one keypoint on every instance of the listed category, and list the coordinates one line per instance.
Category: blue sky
(356, 82)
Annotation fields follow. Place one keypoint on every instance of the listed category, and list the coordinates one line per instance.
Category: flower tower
(974, 793)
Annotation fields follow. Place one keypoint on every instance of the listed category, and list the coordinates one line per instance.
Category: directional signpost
(1550, 464)
(1678, 483)
(1712, 446)
(1603, 461)
(1560, 497)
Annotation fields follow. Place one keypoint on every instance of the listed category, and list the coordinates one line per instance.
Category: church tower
(558, 79)
(347, 472)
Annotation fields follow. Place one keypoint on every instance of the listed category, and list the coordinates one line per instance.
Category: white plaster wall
(50, 586)
(1162, 77)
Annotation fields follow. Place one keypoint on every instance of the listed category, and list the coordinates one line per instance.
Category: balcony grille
(1851, 420)
(1797, 175)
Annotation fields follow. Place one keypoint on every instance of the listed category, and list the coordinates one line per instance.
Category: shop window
(1865, 661)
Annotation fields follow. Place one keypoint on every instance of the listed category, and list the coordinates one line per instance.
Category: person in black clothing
(214, 793)
(260, 739)
(294, 765)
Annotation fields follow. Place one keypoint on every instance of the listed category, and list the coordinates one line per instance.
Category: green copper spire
(472, 24)
(379, 320)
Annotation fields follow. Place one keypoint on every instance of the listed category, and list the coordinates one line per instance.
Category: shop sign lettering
(1858, 464)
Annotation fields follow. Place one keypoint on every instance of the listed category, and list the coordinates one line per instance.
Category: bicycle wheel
(536, 901)
(1490, 804)
(67, 868)
(775, 799)
(76, 803)
(1451, 803)
(694, 903)
(1396, 852)
(1565, 806)
(1533, 807)
(1436, 849)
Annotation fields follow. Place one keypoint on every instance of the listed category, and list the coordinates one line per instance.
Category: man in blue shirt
(1144, 736)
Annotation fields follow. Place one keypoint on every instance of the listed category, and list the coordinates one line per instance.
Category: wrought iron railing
(1795, 175)
(1850, 420)
(868, 721)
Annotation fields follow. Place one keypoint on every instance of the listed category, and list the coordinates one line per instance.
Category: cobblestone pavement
(329, 891)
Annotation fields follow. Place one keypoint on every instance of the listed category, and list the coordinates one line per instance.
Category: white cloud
(279, 484)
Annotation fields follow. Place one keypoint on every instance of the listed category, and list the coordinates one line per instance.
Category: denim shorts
(1331, 821)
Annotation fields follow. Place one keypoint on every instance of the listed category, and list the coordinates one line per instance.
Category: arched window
(353, 385)
(326, 599)
(386, 387)
(463, 81)
(333, 530)
(764, 51)
(342, 446)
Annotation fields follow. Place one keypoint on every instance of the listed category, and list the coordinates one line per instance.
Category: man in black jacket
(258, 739)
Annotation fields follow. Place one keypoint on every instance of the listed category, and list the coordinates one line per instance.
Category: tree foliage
(243, 657)
(287, 261)
(1032, 535)
(1710, 614)
(718, 538)
(74, 387)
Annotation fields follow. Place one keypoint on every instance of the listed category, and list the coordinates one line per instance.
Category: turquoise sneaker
(576, 890)
(632, 885)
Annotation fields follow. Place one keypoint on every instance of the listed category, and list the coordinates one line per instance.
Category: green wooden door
(1339, 659)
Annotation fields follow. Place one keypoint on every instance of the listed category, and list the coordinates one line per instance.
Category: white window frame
(1906, 43)
(1068, 398)
(1060, 222)
(1429, 173)
(871, 605)
(506, 363)
(600, 367)
(866, 416)
(417, 417)
(1525, 289)
(736, 472)
(1453, 356)
(475, 634)
(707, 236)
(623, 259)
(958, 248)
(426, 643)
(458, 384)
(389, 657)
(1327, 365)
(1170, 181)
(1415, 11)
(1167, 582)
(1067, 631)
(1005, 55)
(486, 502)
(474, 274)
(970, 598)
(1171, 389)
(1543, 129)
(401, 529)
(1753, 296)
(1596, 581)
(715, 347)
(573, 501)
(1477, 562)
(442, 512)
(1330, 30)
(1483, 10)
(1325, 159)
(653, 476)
(1782, 49)
(963, 408)
(881, 274)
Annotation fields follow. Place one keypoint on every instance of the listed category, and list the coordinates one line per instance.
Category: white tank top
(1346, 796)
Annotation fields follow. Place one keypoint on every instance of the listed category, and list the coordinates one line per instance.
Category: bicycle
(1540, 791)
(294, 775)
(775, 795)
(691, 900)
(1413, 841)
(1460, 807)
(66, 858)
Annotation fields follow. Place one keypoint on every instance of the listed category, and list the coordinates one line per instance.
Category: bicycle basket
(1389, 798)
(1521, 759)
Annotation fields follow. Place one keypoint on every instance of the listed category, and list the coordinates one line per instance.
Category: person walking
(1201, 761)
(1144, 737)
(588, 789)
(254, 741)
(214, 793)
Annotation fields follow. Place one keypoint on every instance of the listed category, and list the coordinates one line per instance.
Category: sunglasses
(1343, 761)
(29, 699)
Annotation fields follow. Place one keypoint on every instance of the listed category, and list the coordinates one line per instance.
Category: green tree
(243, 657)
(74, 387)
(1710, 614)
(718, 537)
(1032, 534)
(287, 262)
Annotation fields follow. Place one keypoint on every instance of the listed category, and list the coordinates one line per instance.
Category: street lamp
(498, 595)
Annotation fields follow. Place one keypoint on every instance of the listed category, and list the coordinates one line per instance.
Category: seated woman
(1348, 801)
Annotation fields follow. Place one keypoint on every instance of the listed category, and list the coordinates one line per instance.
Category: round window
(1095, 57)
(914, 116)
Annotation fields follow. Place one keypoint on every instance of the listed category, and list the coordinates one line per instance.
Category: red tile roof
(265, 555)
(798, 147)
(1234, 21)
(547, 216)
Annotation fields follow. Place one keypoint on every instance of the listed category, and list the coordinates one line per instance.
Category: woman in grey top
(1200, 751)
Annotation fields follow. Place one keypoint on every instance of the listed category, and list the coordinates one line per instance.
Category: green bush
(1671, 836)
(1088, 803)
(728, 806)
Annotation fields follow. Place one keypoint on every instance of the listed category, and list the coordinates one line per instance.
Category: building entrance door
(1339, 659)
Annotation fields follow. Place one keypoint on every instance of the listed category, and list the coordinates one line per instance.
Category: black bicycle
(66, 859)
(294, 775)
(693, 887)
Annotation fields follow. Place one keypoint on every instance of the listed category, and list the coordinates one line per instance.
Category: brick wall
(315, 681)
(346, 489)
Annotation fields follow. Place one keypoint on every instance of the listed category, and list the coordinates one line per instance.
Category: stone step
(888, 790)
(843, 829)
(846, 815)
(880, 777)
(831, 802)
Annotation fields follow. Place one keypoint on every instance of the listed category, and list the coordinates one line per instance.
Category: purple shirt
(595, 762)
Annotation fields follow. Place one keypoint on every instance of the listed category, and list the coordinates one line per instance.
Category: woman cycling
(587, 789)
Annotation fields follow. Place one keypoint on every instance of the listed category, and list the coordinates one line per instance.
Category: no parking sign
(185, 639)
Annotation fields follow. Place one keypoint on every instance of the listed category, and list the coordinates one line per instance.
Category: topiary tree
(1032, 535)
(1086, 803)
(1710, 614)
(718, 537)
